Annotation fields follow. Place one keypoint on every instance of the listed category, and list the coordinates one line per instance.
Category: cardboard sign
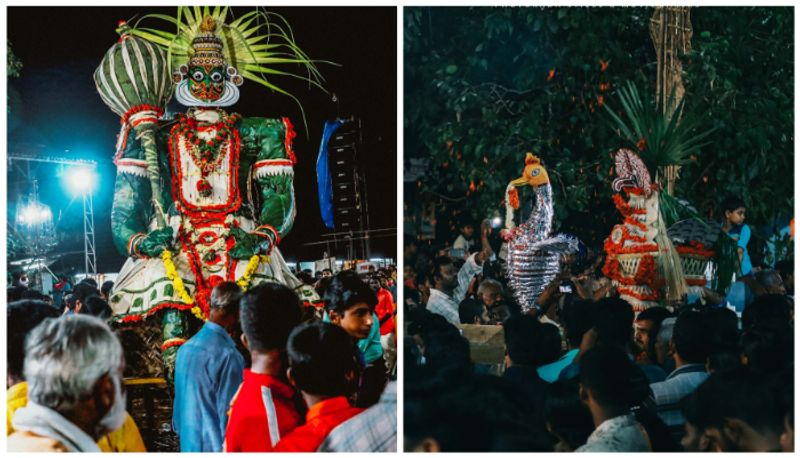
(486, 343)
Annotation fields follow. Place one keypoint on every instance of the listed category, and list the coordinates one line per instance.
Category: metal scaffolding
(90, 261)
(90, 258)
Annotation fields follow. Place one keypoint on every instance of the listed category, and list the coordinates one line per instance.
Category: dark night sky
(55, 110)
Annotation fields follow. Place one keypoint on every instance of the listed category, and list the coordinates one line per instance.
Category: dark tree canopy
(485, 85)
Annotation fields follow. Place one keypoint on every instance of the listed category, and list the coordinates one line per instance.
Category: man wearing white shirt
(451, 287)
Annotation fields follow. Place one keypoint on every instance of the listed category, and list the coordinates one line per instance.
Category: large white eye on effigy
(216, 77)
(197, 76)
(535, 172)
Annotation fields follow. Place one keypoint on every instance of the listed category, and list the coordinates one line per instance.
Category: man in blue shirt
(208, 371)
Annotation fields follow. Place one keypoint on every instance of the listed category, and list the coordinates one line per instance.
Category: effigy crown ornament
(207, 80)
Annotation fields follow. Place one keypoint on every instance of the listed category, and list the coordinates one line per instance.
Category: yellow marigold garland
(177, 281)
(252, 265)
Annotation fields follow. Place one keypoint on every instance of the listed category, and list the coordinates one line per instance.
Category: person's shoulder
(301, 439)
(26, 441)
(660, 388)
(127, 438)
(229, 354)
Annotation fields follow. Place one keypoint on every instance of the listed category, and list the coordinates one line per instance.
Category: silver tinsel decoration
(534, 257)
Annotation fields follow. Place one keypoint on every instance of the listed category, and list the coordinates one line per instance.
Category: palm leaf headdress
(665, 134)
(260, 45)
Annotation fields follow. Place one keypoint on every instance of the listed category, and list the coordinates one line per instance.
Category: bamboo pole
(671, 32)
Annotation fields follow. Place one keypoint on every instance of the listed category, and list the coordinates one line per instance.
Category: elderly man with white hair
(73, 366)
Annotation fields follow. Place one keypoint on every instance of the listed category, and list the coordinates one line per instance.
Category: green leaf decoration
(668, 139)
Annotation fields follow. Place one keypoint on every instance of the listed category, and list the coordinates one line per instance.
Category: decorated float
(203, 196)
(535, 255)
(663, 250)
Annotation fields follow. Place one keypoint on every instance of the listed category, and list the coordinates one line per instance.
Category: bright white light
(81, 180)
(497, 221)
(34, 213)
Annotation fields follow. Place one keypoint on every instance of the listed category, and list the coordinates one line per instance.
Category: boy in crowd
(208, 370)
(350, 305)
(465, 241)
(733, 225)
(323, 365)
(263, 410)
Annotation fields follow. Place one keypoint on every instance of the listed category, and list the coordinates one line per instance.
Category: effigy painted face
(207, 83)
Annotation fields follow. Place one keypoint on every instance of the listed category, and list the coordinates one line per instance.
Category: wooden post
(671, 32)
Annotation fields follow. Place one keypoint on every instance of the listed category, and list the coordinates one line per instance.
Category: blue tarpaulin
(324, 184)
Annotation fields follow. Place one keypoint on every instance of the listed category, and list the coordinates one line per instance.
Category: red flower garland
(696, 248)
(290, 134)
(513, 198)
(653, 296)
(139, 317)
(625, 208)
(633, 222)
(172, 343)
(195, 212)
(646, 273)
(139, 108)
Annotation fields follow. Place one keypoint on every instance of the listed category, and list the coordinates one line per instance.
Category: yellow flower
(198, 313)
(252, 266)
(177, 281)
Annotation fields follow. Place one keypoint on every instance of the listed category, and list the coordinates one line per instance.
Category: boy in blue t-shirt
(734, 210)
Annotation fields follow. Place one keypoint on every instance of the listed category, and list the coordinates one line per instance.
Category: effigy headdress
(255, 47)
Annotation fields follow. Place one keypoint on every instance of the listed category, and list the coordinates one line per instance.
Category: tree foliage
(742, 69)
(14, 64)
(485, 85)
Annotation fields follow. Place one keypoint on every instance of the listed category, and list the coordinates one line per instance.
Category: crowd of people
(582, 372)
(306, 377)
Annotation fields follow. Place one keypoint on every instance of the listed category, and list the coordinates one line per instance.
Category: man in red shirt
(385, 309)
(263, 410)
(323, 365)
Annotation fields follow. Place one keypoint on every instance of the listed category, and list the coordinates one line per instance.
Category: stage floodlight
(81, 180)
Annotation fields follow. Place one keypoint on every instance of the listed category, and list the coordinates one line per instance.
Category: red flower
(641, 144)
(603, 65)
(551, 74)
(513, 198)
(600, 100)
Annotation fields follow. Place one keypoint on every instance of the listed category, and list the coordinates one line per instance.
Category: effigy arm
(130, 210)
(274, 175)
